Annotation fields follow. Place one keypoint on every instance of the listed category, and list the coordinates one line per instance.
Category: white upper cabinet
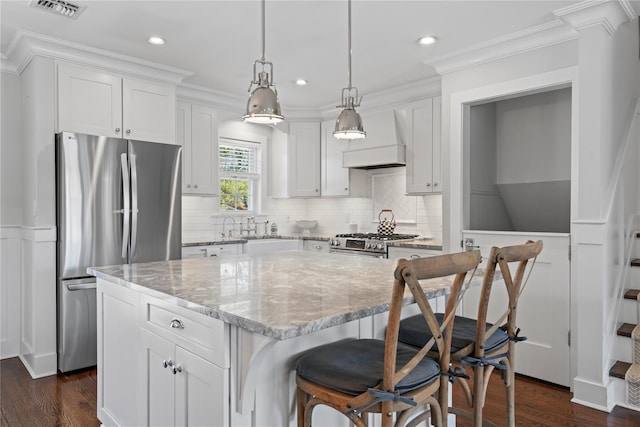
(197, 132)
(335, 178)
(98, 102)
(304, 159)
(148, 111)
(423, 147)
(89, 101)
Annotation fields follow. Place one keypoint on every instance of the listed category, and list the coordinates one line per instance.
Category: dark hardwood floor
(543, 404)
(57, 400)
(70, 400)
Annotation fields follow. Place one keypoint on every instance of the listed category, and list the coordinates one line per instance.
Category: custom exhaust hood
(383, 147)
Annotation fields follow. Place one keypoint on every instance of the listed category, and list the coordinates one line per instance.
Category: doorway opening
(518, 163)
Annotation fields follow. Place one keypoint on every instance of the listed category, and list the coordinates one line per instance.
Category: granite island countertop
(419, 243)
(280, 295)
(204, 241)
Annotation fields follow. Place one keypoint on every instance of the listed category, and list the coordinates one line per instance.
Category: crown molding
(25, 45)
(541, 36)
(605, 13)
(7, 66)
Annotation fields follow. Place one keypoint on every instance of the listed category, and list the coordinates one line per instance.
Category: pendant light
(349, 122)
(263, 105)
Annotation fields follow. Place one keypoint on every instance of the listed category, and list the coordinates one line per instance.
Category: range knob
(337, 242)
(380, 246)
(367, 246)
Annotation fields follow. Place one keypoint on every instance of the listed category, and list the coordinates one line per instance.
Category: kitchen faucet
(224, 223)
(250, 220)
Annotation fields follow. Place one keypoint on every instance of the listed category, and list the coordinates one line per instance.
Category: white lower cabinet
(159, 364)
(211, 250)
(117, 355)
(180, 388)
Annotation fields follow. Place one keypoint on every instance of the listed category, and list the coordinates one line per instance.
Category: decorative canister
(387, 224)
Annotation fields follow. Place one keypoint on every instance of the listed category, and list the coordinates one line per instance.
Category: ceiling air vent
(59, 7)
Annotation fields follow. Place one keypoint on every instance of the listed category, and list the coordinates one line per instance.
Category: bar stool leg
(478, 395)
(511, 387)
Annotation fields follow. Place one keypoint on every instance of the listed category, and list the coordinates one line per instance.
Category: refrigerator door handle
(134, 203)
(82, 287)
(127, 210)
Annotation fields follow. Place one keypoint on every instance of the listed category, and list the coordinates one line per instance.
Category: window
(239, 166)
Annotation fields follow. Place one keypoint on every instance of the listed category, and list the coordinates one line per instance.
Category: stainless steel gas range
(365, 244)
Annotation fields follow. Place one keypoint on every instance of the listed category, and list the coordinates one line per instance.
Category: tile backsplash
(201, 220)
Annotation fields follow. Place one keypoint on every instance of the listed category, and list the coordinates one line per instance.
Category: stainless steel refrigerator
(118, 202)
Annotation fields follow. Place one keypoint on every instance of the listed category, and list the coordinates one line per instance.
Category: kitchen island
(214, 341)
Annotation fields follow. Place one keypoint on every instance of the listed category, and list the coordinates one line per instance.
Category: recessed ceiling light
(427, 40)
(301, 82)
(156, 40)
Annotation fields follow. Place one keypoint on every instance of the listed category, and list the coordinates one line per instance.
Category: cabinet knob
(117, 130)
(414, 256)
(176, 369)
(195, 185)
(188, 185)
(435, 184)
(428, 184)
(128, 131)
(317, 190)
(176, 324)
(319, 247)
(167, 363)
(346, 188)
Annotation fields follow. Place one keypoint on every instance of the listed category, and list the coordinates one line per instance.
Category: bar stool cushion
(352, 367)
(415, 332)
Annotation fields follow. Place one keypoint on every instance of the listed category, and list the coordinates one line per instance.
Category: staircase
(629, 343)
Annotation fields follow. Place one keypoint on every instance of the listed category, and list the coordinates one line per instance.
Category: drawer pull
(176, 324)
(177, 369)
(167, 363)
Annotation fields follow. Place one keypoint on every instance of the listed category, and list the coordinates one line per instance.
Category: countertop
(281, 295)
(198, 241)
(420, 243)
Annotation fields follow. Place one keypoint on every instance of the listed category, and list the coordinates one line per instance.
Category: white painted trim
(42, 365)
(25, 45)
(503, 47)
(40, 234)
(10, 232)
(493, 92)
(606, 13)
(595, 393)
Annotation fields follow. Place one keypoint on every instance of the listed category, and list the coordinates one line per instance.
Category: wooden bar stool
(481, 345)
(362, 376)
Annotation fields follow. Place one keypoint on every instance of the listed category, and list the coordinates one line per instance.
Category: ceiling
(218, 41)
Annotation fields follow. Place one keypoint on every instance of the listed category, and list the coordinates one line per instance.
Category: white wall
(533, 137)
(38, 343)
(10, 213)
(200, 219)
(10, 150)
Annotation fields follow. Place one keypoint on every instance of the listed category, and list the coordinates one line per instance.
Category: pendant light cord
(263, 43)
(349, 44)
